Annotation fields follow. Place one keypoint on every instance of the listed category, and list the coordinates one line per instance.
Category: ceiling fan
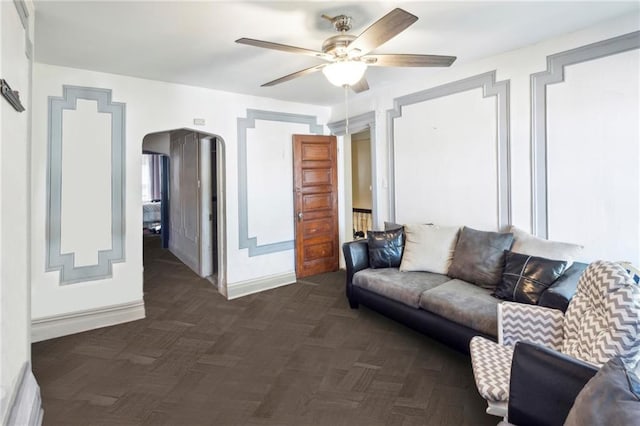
(348, 56)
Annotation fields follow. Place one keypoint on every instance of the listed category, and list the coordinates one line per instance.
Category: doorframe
(221, 194)
(358, 124)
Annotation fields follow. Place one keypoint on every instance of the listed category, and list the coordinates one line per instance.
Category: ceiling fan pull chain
(346, 107)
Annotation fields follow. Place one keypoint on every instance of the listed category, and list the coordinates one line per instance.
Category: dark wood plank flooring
(296, 355)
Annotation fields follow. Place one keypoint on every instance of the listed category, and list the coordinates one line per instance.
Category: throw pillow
(611, 397)
(391, 226)
(526, 277)
(385, 248)
(429, 248)
(479, 257)
(525, 243)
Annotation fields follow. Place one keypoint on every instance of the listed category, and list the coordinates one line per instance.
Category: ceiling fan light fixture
(344, 73)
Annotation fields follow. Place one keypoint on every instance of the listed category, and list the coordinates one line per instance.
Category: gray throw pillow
(611, 397)
(479, 257)
(392, 226)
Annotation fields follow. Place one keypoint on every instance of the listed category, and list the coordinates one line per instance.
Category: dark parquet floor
(296, 355)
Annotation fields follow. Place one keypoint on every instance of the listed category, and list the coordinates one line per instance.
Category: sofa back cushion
(428, 248)
(603, 318)
(479, 257)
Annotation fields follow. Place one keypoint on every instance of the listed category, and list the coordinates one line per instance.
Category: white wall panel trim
(23, 12)
(26, 404)
(65, 324)
(554, 74)
(244, 288)
(245, 241)
(64, 262)
(357, 124)
(490, 88)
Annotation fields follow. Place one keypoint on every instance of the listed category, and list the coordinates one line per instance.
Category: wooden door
(315, 186)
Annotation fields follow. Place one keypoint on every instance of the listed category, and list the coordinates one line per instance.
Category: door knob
(299, 216)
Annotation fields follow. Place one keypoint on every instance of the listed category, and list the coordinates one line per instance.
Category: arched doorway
(192, 204)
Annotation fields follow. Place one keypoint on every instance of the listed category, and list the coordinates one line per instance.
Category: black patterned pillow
(526, 277)
(385, 248)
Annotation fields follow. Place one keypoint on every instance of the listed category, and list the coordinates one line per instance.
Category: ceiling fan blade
(282, 47)
(360, 86)
(384, 29)
(401, 60)
(294, 75)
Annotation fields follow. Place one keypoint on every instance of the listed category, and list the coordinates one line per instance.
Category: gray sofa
(449, 310)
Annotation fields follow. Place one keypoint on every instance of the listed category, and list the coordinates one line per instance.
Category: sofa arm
(544, 385)
(558, 295)
(531, 323)
(356, 257)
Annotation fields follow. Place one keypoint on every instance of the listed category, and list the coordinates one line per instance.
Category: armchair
(602, 321)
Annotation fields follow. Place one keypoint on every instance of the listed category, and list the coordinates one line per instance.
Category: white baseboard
(76, 322)
(26, 404)
(244, 288)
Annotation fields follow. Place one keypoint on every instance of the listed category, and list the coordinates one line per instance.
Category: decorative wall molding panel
(76, 322)
(23, 12)
(65, 262)
(245, 288)
(490, 88)
(245, 241)
(26, 404)
(356, 125)
(555, 73)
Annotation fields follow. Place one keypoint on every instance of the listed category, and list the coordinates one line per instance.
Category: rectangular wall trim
(245, 241)
(539, 81)
(490, 87)
(245, 288)
(76, 322)
(64, 262)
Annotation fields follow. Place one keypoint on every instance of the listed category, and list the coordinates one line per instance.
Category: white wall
(517, 66)
(151, 106)
(446, 172)
(15, 340)
(593, 173)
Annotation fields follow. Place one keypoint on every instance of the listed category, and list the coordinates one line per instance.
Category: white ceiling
(193, 42)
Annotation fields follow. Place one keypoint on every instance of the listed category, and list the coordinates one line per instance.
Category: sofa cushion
(611, 397)
(385, 248)
(526, 277)
(428, 248)
(479, 257)
(403, 287)
(464, 303)
(525, 243)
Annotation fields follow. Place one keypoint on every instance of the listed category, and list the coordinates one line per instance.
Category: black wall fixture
(13, 97)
